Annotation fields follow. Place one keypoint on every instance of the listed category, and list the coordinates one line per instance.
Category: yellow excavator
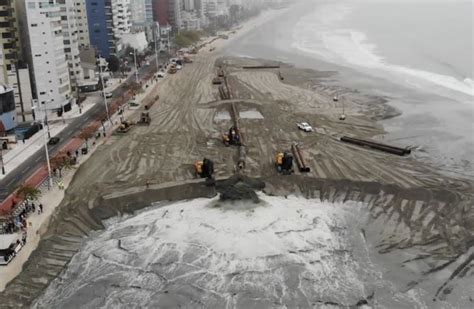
(284, 163)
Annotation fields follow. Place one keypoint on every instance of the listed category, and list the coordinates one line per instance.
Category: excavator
(204, 168)
(284, 163)
(231, 138)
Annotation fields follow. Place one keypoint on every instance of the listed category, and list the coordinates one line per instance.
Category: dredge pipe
(375, 145)
(250, 67)
(299, 159)
(236, 118)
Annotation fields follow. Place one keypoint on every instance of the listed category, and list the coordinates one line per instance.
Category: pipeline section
(375, 145)
(297, 154)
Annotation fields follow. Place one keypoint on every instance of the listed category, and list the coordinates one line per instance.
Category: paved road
(23, 171)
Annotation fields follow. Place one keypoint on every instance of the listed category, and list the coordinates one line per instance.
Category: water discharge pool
(291, 252)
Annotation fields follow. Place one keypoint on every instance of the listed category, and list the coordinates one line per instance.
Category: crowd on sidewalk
(18, 222)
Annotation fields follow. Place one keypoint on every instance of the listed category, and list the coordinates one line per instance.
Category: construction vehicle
(204, 168)
(124, 127)
(172, 69)
(145, 119)
(284, 163)
(231, 138)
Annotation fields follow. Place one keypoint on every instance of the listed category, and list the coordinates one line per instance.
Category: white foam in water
(319, 33)
(287, 251)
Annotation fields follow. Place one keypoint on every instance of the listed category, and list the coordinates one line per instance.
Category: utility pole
(156, 50)
(103, 90)
(46, 119)
(62, 113)
(135, 60)
(50, 180)
(1, 160)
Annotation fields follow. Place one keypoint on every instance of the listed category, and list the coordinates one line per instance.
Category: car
(304, 126)
(108, 95)
(53, 140)
(179, 67)
(160, 74)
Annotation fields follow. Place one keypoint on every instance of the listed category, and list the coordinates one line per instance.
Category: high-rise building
(138, 13)
(43, 46)
(160, 12)
(12, 69)
(108, 20)
(71, 41)
(82, 23)
(149, 11)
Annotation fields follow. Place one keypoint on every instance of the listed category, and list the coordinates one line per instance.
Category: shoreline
(184, 129)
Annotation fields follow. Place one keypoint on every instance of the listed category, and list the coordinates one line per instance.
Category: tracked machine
(284, 163)
(204, 168)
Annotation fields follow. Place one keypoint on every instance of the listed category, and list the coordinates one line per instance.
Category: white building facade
(44, 48)
(71, 41)
(82, 23)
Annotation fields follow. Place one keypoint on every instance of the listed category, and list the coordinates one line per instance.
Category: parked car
(53, 140)
(304, 126)
(108, 95)
(179, 67)
(160, 74)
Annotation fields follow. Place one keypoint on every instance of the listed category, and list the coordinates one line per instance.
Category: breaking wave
(320, 33)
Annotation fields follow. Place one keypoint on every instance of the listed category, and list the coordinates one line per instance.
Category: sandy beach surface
(418, 224)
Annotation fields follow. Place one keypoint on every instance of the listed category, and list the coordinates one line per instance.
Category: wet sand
(415, 209)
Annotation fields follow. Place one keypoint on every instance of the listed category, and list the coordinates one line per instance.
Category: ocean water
(419, 43)
(417, 54)
(282, 253)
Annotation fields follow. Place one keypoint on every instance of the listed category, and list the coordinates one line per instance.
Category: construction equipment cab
(284, 163)
(231, 138)
(204, 168)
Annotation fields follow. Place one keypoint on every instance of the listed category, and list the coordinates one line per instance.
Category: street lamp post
(135, 60)
(156, 50)
(62, 113)
(1, 161)
(50, 179)
(46, 119)
(103, 90)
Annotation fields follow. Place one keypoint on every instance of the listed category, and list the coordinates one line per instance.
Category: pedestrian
(41, 208)
(23, 237)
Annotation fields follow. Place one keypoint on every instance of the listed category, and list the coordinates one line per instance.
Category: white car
(108, 95)
(160, 74)
(304, 126)
(179, 67)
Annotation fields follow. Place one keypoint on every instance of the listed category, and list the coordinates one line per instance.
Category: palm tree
(28, 192)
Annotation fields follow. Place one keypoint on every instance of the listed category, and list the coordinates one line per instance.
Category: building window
(31, 5)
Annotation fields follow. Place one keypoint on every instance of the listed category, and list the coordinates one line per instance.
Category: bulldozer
(231, 138)
(145, 119)
(172, 69)
(284, 163)
(204, 168)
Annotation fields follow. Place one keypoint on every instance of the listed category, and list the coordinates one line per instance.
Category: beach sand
(414, 207)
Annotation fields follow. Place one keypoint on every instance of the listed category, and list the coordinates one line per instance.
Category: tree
(134, 87)
(61, 161)
(86, 134)
(114, 63)
(28, 192)
(187, 37)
